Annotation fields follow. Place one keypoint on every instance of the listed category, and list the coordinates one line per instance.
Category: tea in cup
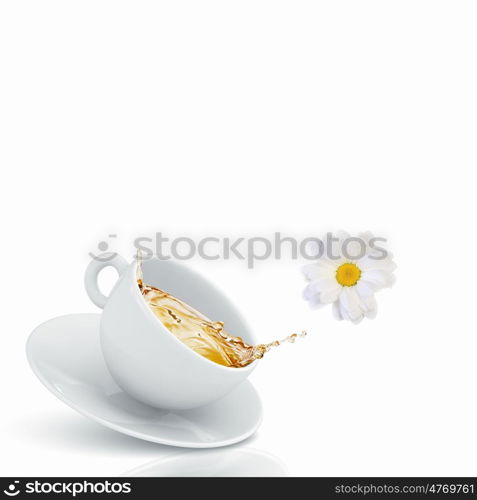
(146, 359)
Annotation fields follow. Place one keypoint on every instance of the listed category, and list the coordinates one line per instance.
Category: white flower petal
(371, 307)
(350, 301)
(355, 250)
(326, 284)
(317, 270)
(314, 302)
(333, 257)
(369, 264)
(331, 295)
(378, 279)
(343, 312)
(336, 310)
(312, 295)
(364, 289)
(337, 261)
(310, 291)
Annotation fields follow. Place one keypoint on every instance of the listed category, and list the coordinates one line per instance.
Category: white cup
(144, 357)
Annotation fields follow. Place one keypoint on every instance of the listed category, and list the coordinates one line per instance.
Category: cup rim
(149, 312)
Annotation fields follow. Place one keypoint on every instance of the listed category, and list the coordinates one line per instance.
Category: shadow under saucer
(225, 462)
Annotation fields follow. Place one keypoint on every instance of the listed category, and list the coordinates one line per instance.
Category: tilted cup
(145, 359)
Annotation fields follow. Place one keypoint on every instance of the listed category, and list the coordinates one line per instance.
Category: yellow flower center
(348, 274)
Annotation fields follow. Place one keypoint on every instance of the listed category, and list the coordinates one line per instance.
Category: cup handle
(93, 270)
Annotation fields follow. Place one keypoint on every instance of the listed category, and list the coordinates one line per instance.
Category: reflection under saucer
(225, 462)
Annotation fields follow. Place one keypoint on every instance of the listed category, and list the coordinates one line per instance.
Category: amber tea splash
(204, 336)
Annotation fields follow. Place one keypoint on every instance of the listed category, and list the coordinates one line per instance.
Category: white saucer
(65, 355)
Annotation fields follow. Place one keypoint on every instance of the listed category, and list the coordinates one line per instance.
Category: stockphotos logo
(13, 489)
(67, 488)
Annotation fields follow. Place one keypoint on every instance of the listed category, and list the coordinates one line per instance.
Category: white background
(244, 118)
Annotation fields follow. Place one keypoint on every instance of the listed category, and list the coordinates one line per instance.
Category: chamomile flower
(347, 275)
